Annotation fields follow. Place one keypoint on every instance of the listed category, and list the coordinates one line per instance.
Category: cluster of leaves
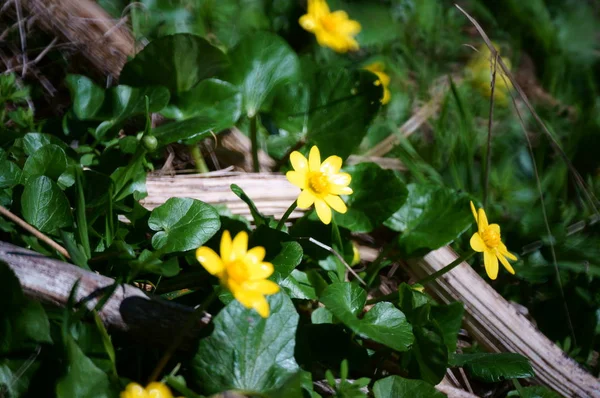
(215, 65)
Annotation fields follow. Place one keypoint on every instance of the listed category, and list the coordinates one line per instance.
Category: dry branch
(128, 310)
(499, 327)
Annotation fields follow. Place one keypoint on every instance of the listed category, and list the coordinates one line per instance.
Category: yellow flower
(479, 71)
(487, 241)
(321, 183)
(332, 29)
(384, 79)
(240, 270)
(152, 390)
(356, 255)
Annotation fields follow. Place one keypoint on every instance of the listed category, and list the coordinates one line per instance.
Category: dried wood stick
(128, 310)
(499, 327)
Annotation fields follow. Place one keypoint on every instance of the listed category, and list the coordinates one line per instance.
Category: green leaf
(449, 319)
(192, 130)
(429, 354)
(383, 323)
(177, 62)
(49, 160)
(83, 378)
(32, 142)
(247, 352)
(86, 95)
(297, 285)
(215, 99)
(10, 174)
(16, 375)
(343, 104)
(431, 217)
(378, 193)
(23, 322)
(282, 251)
(45, 206)
(183, 224)
(534, 392)
(260, 62)
(494, 367)
(396, 386)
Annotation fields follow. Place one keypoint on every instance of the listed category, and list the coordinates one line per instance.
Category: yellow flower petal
(239, 246)
(318, 7)
(482, 222)
(255, 255)
(314, 159)
(264, 286)
(259, 271)
(158, 390)
(336, 203)
(340, 190)
(342, 179)
(474, 211)
(323, 211)
(250, 299)
(261, 306)
(226, 246)
(305, 199)
(477, 243)
(495, 228)
(308, 22)
(331, 165)
(297, 178)
(299, 162)
(504, 251)
(505, 263)
(134, 390)
(491, 264)
(209, 260)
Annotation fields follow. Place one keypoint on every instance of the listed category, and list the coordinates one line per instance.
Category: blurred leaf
(383, 323)
(45, 206)
(177, 62)
(10, 174)
(183, 224)
(50, 160)
(83, 378)
(248, 352)
(192, 130)
(494, 367)
(449, 319)
(429, 352)
(378, 193)
(16, 375)
(431, 217)
(534, 392)
(86, 95)
(343, 104)
(260, 62)
(396, 386)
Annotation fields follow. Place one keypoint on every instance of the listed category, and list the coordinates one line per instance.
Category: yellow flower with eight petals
(321, 183)
(487, 240)
(332, 29)
(240, 270)
(152, 390)
(384, 79)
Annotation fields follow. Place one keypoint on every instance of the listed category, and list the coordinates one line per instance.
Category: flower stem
(447, 268)
(286, 215)
(193, 317)
(201, 166)
(254, 141)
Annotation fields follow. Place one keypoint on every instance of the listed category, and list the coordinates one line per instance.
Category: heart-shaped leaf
(378, 193)
(248, 352)
(383, 323)
(494, 367)
(177, 62)
(45, 206)
(49, 160)
(396, 386)
(183, 224)
(260, 62)
(431, 217)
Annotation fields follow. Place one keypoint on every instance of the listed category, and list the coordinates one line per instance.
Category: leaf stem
(178, 338)
(199, 161)
(286, 215)
(254, 141)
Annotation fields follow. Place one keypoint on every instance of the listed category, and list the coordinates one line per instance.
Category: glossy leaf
(32, 142)
(494, 367)
(396, 386)
(45, 206)
(10, 174)
(252, 353)
(86, 95)
(260, 62)
(378, 194)
(177, 62)
(431, 217)
(183, 224)
(383, 323)
(49, 160)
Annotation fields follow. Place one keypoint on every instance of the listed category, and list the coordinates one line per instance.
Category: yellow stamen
(491, 238)
(318, 182)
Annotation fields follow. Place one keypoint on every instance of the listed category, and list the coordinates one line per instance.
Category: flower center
(318, 182)
(491, 238)
(237, 271)
(329, 24)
